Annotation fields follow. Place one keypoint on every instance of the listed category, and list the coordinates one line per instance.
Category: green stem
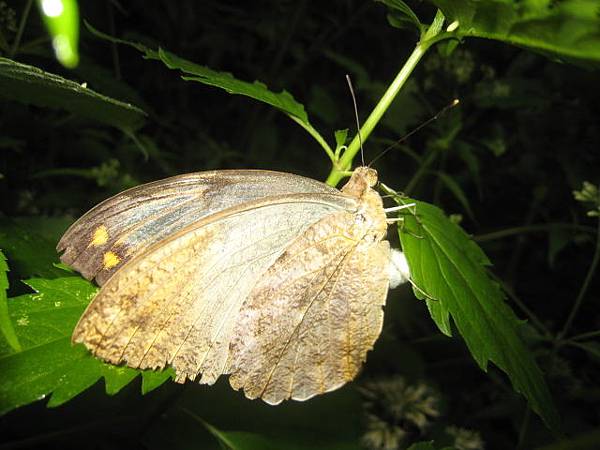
(113, 45)
(523, 429)
(28, 46)
(131, 135)
(584, 336)
(19, 35)
(420, 172)
(584, 287)
(578, 345)
(428, 38)
(345, 162)
(523, 307)
(530, 229)
(84, 173)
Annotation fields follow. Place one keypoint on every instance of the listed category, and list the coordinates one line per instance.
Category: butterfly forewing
(107, 236)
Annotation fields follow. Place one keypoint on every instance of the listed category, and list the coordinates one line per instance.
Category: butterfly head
(362, 180)
(368, 174)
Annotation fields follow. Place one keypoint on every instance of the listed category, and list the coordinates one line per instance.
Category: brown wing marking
(307, 325)
(92, 260)
(120, 219)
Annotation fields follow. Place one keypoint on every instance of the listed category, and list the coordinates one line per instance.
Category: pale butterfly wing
(308, 324)
(313, 335)
(177, 302)
(111, 233)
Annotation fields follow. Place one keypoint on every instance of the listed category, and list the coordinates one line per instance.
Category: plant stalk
(345, 162)
(534, 228)
(423, 167)
(584, 336)
(19, 35)
(315, 134)
(428, 38)
(584, 287)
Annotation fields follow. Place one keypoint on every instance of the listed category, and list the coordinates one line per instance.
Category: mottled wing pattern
(176, 303)
(309, 322)
(113, 232)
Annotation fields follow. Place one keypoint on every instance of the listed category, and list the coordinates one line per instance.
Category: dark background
(524, 136)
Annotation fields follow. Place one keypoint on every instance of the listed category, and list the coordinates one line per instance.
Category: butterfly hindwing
(110, 234)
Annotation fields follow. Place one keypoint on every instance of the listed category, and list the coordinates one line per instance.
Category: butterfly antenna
(452, 104)
(362, 153)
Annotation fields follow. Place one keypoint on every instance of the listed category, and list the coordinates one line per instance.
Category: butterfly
(274, 279)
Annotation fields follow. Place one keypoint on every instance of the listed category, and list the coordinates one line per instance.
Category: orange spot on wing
(100, 236)
(111, 260)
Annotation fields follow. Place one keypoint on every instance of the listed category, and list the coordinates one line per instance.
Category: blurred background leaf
(62, 19)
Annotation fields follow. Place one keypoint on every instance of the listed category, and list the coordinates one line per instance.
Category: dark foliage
(506, 160)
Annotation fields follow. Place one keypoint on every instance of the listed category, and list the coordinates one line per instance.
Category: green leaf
(427, 445)
(6, 326)
(116, 377)
(31, 253)
(466, 153)
(30, 85)
(558, 239)
(48, 363)
(226, 81)
(447, 265)
(283, 101)
(591, 348)
(242, 440)
(62, 20)
(152, 379)
(402, 14)
(340, 137)
(587, 440)
(565, 30)
(360, 75)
